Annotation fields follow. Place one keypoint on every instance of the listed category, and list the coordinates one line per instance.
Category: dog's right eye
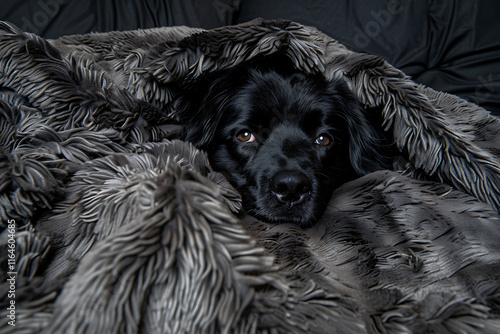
(246, 136)
(323, 140)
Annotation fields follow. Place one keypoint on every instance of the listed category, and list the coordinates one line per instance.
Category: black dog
(284, 139)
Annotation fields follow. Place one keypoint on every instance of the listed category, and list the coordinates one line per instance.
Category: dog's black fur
(284, 139)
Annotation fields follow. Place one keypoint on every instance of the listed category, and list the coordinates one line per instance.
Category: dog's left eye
(323, 140)
(246, 136)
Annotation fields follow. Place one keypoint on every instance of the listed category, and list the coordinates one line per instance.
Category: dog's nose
(290, 187)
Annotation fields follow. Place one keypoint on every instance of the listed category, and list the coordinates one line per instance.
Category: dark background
(449, 45)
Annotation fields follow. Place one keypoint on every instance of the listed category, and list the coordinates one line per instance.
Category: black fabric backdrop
(452, 46)
(449, 45)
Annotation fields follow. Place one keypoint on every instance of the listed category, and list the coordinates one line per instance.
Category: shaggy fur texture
(122, 228)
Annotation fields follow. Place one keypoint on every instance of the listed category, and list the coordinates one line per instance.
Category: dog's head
(285, 140)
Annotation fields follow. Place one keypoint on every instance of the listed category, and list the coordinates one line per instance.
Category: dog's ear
(366, 144)
(368, 147)
(201, 107)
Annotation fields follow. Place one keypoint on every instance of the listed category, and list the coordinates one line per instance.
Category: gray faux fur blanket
(112, 225)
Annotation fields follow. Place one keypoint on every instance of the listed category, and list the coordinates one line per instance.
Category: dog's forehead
(268, 100)
(301, 113)
(291, 115)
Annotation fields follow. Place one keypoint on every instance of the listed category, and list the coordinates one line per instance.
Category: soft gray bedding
(123, 228)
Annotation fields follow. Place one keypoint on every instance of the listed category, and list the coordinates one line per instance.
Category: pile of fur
(120, 227)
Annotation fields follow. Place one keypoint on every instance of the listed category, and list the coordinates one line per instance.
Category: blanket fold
(121, 227)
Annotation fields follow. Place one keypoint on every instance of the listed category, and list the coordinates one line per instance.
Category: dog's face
(285, 141)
